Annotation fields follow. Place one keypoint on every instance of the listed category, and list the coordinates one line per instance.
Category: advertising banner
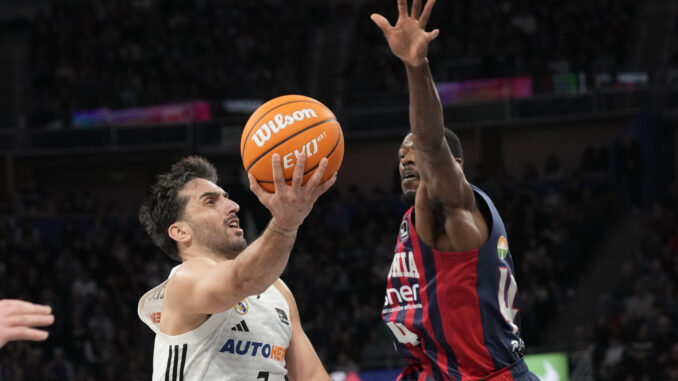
(485, 90)
(193, 111)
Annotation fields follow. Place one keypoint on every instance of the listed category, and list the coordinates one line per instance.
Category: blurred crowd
(489, 39)
(90, 54)
(92, 267)
(636, 334)
(91, 272)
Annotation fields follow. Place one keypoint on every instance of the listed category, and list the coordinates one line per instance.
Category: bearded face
(212, 218)
(225, 238)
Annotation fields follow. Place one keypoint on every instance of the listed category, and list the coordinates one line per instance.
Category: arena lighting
(191, 111)
(485, 90)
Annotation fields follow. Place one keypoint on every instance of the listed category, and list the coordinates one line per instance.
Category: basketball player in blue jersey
(223, 314)
(451, 299)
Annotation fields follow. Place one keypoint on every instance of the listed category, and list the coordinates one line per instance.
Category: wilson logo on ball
(279, 122)
(289, 126)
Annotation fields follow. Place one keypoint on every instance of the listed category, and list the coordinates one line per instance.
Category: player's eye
(210, 202)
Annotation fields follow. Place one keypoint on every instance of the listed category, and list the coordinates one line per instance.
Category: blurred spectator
(487, 39)
(644, 315)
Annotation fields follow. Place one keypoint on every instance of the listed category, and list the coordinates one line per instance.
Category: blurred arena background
(568, 112)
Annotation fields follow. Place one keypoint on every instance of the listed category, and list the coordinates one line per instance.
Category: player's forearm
(262, 262)
(266, 258)
(426, 112)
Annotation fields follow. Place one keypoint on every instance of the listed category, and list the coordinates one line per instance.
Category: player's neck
(196, 251)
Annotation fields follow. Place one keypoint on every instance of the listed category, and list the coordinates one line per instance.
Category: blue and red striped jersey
(454, 315)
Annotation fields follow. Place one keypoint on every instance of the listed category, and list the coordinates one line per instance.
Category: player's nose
(231, 206)
(407, 159)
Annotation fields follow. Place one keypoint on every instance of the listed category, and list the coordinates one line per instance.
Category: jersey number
(403, 334)
(506, 309)
(263, 376)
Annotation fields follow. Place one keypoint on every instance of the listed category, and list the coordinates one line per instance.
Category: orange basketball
(290, 125)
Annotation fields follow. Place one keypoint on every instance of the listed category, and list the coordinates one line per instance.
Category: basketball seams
(249, 133)
(286, 139)
(332, 152)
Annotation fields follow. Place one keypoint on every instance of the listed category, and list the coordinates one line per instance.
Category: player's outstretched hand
(408, 38)
(290, 204)
(18, 317)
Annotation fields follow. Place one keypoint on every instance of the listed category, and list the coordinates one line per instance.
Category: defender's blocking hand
(408, 38)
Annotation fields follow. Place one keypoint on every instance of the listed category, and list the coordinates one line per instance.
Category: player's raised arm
(408, 39)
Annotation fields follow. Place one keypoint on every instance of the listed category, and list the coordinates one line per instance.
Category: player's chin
(239, 244)
(408, 197)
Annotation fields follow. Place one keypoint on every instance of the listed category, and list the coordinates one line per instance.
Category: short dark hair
(454, 143)
(164, 206)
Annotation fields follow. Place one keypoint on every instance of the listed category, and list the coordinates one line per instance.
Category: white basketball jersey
(246, 342)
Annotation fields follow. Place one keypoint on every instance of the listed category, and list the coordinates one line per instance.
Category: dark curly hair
(164, 206)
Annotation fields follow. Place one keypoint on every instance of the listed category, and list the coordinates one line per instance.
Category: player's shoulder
(285, 292)
(191, 270)
(283, 289)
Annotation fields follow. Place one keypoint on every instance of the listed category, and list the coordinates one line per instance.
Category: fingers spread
(432, 34)
(318, 174)
(426, 14)
(402, 8)
(254, 185)
(298, 175)
(381, 22)
(416, 8)
(318, 191)
(278, 178)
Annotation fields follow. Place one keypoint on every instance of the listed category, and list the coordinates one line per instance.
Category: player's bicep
(202, 287)
(444, 178)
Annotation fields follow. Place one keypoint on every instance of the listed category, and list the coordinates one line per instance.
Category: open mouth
(408, 175)
(234, 223)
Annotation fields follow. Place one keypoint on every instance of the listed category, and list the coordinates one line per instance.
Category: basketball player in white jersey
(223, 313)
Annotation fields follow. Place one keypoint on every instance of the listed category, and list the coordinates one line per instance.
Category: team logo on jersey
(502, 247)
(403, 230)
(242, 307)
(518, 346)
(282, 316)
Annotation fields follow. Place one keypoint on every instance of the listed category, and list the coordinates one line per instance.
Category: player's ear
(460, 161)
(180, 231)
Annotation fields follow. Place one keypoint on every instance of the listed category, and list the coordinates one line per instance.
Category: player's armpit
(301, 360)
